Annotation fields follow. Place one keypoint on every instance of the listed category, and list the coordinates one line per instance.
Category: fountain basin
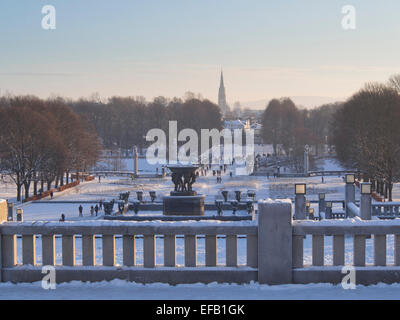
(183, 205)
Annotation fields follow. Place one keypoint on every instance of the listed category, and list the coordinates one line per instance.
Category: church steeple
(222, 96)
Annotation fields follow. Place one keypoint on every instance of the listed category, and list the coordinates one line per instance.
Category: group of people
(218, 173)
(94, 210)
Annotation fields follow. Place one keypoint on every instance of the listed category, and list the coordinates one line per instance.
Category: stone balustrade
(274, 250)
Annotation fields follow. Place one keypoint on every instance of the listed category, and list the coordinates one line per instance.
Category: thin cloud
(38, 74)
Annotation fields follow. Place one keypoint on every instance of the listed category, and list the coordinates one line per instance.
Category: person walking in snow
(96, 209)
(91, 210)
(80, 210)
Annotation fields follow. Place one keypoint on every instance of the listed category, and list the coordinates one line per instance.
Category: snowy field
(121, 290)
(109, 188)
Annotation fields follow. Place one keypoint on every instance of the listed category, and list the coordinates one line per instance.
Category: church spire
(221, 95)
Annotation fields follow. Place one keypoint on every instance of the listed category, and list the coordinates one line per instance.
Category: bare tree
(367, 133)
(394, 82)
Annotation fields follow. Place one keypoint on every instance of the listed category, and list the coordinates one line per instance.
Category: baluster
(297, 251)
(380, 250)
(338, 250)
(88, 250)
(211, 250)
(29, 249)
(68, 250)
(397, 249)
(169, 250)
(190, 251)
(9, 250)
(108, 250)
(252, 251)
(128, 250)
(359, 250)
(317, 250)
(149, 251)
(387, 210)
(48, 250)
(231, 250)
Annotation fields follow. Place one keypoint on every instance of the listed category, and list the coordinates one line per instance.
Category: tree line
(366, 132)
(42, 142)
(123, 122)
(286, 126)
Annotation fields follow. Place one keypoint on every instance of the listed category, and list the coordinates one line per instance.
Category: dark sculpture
(189, 179)
(177, 180)
(183, 200)
(124, 196)
(183, 178)
(108, 207)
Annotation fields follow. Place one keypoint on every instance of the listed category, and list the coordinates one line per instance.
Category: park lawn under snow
(120, 289)
(110, 188)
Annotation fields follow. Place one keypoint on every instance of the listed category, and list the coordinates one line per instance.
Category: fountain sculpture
(183, 201)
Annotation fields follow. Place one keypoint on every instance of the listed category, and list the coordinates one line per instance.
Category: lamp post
(328, 210)
(10, 214)
(300, 191)
(311, 213)
(350, 193)
(365, 207)
(321, 202)
(20, 217)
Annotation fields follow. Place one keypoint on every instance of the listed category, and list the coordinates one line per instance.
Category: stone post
(275, 242)
(328, 211)
(135, 162)
(20, 215)
(306, 159)
(350, 196)
(365, 205)
(3, 210)
(300, 207)
(321, 203)
(10, 214)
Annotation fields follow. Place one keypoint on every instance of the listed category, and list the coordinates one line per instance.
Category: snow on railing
(90, 231)
(360, 231)
(274, 249)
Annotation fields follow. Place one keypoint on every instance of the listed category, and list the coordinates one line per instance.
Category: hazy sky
(167, 47)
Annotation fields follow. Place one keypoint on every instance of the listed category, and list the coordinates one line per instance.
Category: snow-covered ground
(122, 290)
(110, 187)
(275, 188)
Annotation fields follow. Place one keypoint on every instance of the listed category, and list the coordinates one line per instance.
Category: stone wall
(3, 210)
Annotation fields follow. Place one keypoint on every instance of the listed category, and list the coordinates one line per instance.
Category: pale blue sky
(157, 47)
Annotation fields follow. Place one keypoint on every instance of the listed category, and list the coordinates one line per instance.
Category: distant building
(237, 124)
(222, 96)
(257, 127)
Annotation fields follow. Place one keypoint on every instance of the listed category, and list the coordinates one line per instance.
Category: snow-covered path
(119, 289)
